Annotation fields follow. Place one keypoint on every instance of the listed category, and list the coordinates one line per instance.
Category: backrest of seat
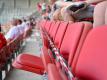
(60, 34)
(43, 23)
(71, 39)
(51, 28)
(73, 58)
(48, 25)
(92, 63)
(54, 31)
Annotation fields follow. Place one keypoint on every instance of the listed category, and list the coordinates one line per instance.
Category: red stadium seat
(27, 61)
(52, 26)
(42, 24)
(60, 34)
(48, 25)
(54, 31)
(73, 36)
(87, 28)
(58, 39)
(44, 34)
(27, 68)
(91, 63)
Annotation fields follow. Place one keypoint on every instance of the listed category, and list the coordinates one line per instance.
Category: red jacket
(3, 41)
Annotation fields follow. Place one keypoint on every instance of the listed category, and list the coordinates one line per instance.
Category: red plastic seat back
(51, 28)
(48, 25)
(43, 23)
(60, 34)
(73, 58)
(92, 62)
(54, 31)
(72, 39)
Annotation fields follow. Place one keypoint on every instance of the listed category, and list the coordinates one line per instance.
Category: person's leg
(99, 14)
(106, 16)
(56, 15)
(65, 15)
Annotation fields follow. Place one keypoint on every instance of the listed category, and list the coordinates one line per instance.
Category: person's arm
(93, 1)
(10, 35)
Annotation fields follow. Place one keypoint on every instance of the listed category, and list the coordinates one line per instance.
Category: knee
(63, 11)
(66, 15)
(56, 15)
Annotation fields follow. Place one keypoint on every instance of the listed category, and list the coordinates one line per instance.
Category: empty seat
(54, 30)
(74, 35)
(57, 41)
(29, 62)
(52, 26)
(42, 24)
(65, 36)
(86, 30)
(92, 63)
(45, 33)
(60, 34)
(48, 25)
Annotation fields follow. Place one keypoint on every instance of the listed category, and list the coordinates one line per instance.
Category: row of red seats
(69, 38)
(82, 48)
(90, 64)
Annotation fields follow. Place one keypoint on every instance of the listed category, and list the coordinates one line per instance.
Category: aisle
(32, 47)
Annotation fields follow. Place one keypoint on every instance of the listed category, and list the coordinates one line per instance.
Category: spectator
(26, 25)
(38, 6)
(43, 7)
(20, 27)
(47, 13)
(13, 32)
(3, 41)
(73, 11)
(64, 10)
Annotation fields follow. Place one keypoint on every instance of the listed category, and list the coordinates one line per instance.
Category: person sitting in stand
(3, 41)
(73, 10)
(13, 32)
(19, 25)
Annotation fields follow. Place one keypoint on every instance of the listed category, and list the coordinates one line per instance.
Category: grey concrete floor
(32, 47)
